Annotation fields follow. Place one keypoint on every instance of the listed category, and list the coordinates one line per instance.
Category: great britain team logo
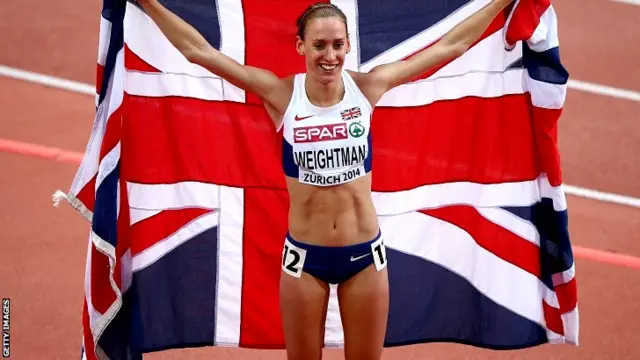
(350, 114)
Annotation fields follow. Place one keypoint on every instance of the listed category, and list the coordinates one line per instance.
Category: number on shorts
(293, 259)
(380, 254)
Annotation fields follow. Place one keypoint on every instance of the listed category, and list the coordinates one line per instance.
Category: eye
(318, 46)
(338, 45)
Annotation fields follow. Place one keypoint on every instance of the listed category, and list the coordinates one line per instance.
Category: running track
(42, 249)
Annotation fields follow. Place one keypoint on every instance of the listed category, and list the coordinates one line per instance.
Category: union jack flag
(182, 185)
(352, 113)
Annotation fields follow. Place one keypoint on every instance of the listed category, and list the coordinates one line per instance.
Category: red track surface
(42, 249)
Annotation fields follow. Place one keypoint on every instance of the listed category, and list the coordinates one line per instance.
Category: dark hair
(319, 10)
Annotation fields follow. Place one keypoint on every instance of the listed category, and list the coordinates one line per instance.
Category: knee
(370, 353)
(301, 352)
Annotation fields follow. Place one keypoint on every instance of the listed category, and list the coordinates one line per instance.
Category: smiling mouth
(328, 68)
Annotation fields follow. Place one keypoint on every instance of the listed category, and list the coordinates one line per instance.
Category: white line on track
(602, 196)
(604, 90)
(569, 189)
(47, 80)
(630, 2)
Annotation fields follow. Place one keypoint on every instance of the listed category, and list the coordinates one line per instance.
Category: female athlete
(325, 115)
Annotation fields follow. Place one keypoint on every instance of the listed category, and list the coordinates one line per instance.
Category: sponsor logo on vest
(356, 129)
(329, 132)
(330, 158)
(298, 117)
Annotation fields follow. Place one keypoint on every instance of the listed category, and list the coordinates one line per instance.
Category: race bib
(293, 259)
(379, 253)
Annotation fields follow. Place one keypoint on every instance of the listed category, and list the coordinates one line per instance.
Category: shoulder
(286, 85)
(279, 99)
(358, 77)
(368, 85)
(279, 95)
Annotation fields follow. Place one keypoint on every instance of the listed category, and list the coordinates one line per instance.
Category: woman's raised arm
(197, 50)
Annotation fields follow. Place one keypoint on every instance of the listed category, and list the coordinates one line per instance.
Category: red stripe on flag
(165, 140)
(552, 318)
(545, 124)
(483, 140)
(87, 340)
(150, 231)
(265, 228)
(112, 133)
(99, 78)
(134, 62)
(270, 36)
(87, 195)
(567, 296)
(525, 20)
(492, 237)
(471, 139)
(102, 294)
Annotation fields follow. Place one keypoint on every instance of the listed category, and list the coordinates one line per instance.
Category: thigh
(364, 307)
(303, 305)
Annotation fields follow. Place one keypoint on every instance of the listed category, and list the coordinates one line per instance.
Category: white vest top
(326, 146)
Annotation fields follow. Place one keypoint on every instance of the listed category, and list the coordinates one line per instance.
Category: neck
(324, 94)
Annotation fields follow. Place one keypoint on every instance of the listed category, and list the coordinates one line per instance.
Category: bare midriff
(333, 215)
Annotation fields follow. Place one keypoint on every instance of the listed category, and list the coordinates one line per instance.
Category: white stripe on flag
(545, 36)
(154, 253)
(454, 249)
(229, 282)
(523, 193)
(480, 84)
(145, 39)
(173, 196)
(555, 193)
(350, 9)
(163, 85)
(565, 276)
(112, 101)
(571, 328)
(423, 92)
(488, 55)
(523, 228)
(137, 215)
(546, 95)
(334, 333)
(108, 164)
(103, 40)
(231, 18)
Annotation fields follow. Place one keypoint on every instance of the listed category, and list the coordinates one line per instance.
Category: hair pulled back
(316, 11)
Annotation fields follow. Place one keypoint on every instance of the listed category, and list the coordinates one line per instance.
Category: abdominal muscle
(333, 215)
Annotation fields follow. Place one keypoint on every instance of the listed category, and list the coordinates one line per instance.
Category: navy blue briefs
(333, 265)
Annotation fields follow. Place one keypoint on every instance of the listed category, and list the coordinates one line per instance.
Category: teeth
(328, 67)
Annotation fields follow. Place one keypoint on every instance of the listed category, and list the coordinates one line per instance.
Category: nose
(330, 54)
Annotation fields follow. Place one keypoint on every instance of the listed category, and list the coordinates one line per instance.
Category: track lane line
(618, 259)
(47, 80)
(604, 90)
(628, 2)
(40, 151)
